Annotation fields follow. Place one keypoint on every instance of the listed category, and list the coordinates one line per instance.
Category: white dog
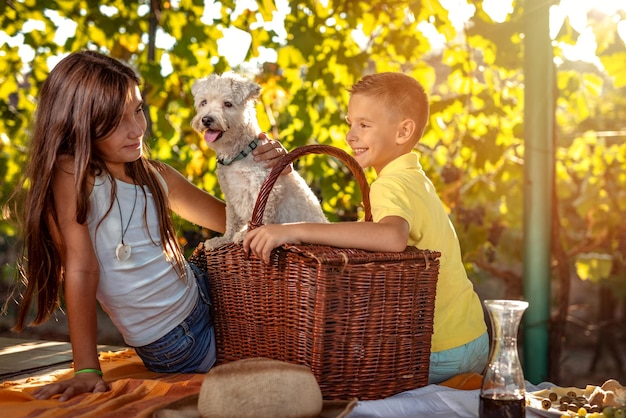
(226, 116)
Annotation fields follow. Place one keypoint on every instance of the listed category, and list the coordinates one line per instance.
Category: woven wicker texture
(362, 321)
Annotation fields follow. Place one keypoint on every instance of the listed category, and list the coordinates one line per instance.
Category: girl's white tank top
(144, 296)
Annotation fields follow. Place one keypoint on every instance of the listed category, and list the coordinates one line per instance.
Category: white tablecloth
(429, 401)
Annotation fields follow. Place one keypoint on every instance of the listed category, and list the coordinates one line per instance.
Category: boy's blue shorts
(470, 357)
(189, 347)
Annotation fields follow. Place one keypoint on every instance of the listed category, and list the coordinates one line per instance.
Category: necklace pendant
(122, 252)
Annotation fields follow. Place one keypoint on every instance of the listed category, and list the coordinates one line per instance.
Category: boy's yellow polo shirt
(402, 189)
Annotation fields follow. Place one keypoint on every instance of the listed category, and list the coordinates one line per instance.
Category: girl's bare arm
(80, 284)
(198, 206)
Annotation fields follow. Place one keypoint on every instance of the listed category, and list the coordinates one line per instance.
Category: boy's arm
(390, 234)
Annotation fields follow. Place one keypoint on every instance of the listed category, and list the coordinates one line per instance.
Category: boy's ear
(406, 128)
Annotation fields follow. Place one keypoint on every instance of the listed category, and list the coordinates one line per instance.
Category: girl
(97, 222)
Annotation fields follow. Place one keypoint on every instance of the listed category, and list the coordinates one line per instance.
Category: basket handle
(285, 160)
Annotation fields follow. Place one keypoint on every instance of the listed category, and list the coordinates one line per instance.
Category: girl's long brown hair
(81, 102)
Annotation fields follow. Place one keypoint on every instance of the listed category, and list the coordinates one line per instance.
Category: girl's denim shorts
(189, 347)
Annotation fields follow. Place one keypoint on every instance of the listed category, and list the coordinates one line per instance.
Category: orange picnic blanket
(134, 391)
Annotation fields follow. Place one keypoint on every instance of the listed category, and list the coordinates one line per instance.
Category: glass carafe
(502, 394)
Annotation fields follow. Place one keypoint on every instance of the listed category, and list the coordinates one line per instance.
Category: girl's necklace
(122, 251)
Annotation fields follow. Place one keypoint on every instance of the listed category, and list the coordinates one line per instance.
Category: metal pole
(538, 172)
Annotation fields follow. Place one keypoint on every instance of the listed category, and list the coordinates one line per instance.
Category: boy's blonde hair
(400, 94)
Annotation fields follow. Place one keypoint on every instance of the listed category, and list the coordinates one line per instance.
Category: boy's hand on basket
(262, 240)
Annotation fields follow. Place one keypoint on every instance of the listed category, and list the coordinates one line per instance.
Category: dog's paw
(216, 242)
(208, 244)
(238, 238)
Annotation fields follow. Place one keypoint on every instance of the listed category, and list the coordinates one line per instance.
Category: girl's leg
(189, 347)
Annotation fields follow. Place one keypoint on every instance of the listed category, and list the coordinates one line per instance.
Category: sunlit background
(469, 54)
(235, 44)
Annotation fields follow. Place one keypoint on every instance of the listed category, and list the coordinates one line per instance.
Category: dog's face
(224, 108)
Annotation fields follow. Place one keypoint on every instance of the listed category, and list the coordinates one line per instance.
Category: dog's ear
(244, 89)
(253, 90)
(195, 87)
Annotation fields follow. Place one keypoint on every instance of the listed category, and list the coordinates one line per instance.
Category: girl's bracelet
(96, 371)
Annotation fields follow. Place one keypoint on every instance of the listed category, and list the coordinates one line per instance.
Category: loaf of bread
(615, 393)
(611, 393)
(260, 388)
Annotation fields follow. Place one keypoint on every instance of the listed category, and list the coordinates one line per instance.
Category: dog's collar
(252, 145)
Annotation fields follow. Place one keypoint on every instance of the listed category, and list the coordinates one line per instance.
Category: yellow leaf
(594, 266)
(267, 9)
(614, 65)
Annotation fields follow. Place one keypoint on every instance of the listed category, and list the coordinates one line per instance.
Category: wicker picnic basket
(362, 321)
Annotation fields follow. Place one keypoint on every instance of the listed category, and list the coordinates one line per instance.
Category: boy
(387, 114)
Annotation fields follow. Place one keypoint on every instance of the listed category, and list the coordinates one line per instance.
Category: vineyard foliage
(473, 148)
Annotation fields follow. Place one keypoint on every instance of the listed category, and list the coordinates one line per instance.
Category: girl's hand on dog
(270, 151)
